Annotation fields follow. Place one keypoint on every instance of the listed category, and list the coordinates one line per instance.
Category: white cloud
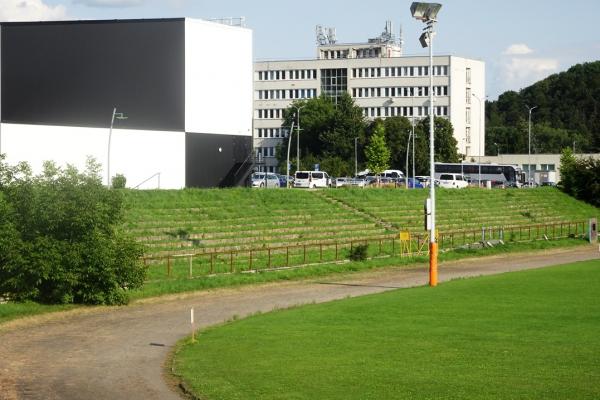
(521, 72)
(30, 10)
(110, 3)
(517, 49)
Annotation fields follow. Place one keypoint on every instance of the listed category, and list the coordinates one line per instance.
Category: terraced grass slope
(467, 208)
(197, 220)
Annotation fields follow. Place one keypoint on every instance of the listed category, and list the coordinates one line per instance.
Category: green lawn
(11, 311)
(527, 335)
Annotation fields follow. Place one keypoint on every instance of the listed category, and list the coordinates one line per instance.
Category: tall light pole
(529, 146)
(116, 115)
(287, 171)
(427, 13)
(355, 156)
(497, 149)
(298, 136)
(407, 153)
(481, 133)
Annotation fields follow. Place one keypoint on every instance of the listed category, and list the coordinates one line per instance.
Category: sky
(521, 42)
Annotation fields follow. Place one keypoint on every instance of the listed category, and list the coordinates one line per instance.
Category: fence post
(191, 272)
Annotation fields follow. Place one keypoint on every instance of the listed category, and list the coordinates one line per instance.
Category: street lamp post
(287, 171)
(427, 13)
(497, 149)
(116, 115)
(407, 154)
(529, 146)
(481, 132)
(355, 156)
(298, 136)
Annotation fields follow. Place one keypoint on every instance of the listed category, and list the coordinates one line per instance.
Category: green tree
(327, 133)
(568, 109)
(66, 242)
(377, 153)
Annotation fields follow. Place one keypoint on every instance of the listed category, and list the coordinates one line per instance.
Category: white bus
(498, 174)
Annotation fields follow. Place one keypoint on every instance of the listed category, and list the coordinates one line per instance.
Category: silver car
(260, 180)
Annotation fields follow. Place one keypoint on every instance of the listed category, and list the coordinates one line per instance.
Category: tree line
(567, 114)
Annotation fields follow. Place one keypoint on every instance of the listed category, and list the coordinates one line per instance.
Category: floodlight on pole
(116, 115)
(427, 12)
(529, 147)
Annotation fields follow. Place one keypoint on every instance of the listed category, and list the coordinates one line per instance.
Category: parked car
(357, 182)
(311, 179)
(283, 180)
(339, 182)
(259, 180)
(412, 183)
(453, 181)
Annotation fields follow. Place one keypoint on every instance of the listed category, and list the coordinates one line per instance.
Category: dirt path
(118, 353)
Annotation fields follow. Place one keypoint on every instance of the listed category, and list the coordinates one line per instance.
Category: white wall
(458, 106)
(135, 154)
(218, 78)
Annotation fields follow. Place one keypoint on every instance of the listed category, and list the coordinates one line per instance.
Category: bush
(359, 252)
(60, 240)
(118, 181)
(580, 177)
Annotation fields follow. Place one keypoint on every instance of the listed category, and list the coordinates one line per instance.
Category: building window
(548, 167)
(468, 77)
(468, 116)
(334, 82)
(468, 134)
(468, 95)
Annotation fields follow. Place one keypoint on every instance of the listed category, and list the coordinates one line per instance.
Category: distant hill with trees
(567, 114)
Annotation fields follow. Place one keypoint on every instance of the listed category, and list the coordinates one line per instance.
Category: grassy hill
(197, 220)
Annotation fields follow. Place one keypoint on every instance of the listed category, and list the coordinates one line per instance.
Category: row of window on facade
(374, 112)
(291, 74)
(387, 72)
(407, 91)
(271, 133)
(334, 54)
(265, 152)
(543, 167)
(285, 94)
(375, 72)
(277, 113)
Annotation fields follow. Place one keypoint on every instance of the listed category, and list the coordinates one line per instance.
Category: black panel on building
(217, 160)
(74, 73)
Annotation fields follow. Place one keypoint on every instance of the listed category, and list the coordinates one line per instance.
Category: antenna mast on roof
(325, 36)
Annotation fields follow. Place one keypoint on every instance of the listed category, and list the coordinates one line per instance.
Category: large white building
(380, 79)
(171, 78)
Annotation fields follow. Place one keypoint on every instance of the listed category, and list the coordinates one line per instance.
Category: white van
(311, 179)
(453, 181)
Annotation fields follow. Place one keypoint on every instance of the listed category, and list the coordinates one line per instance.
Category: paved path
(119, 353)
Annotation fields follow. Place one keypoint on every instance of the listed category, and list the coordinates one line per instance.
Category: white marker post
(192, 322)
